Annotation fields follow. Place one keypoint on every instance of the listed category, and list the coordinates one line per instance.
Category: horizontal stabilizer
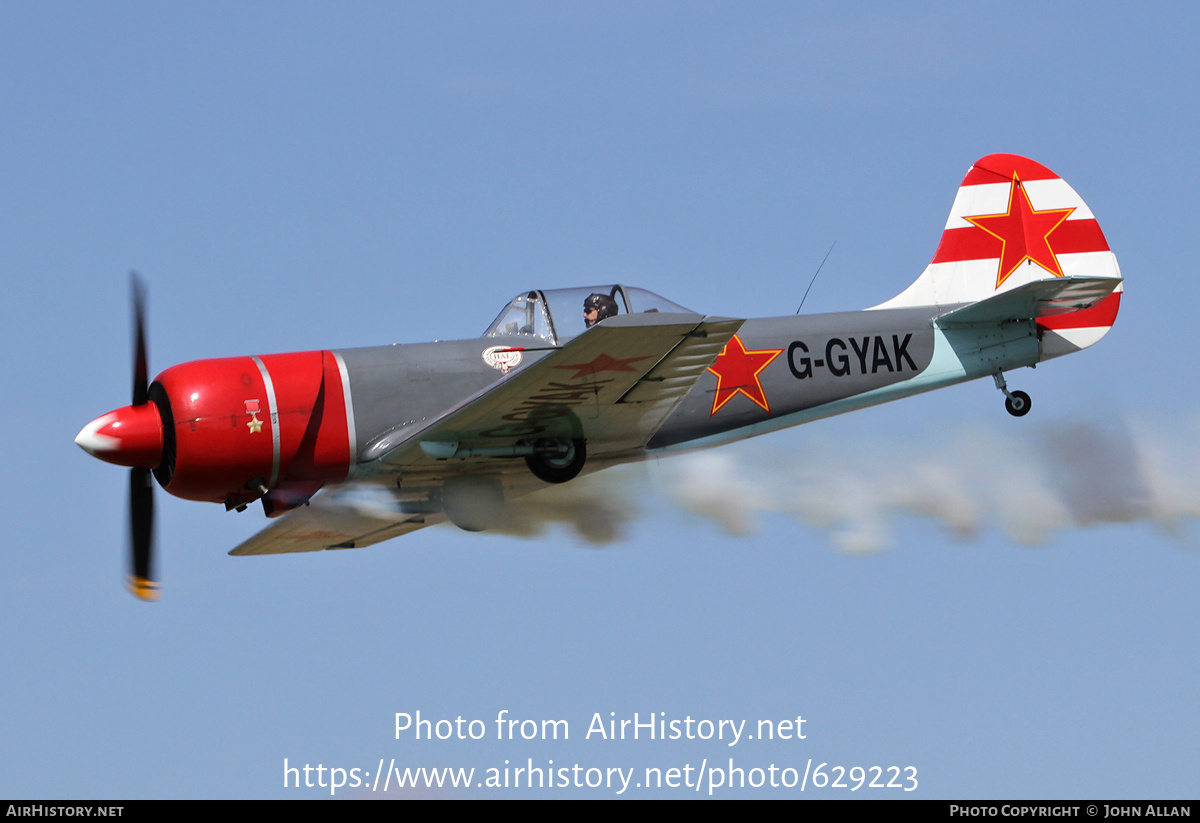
(1041, 298)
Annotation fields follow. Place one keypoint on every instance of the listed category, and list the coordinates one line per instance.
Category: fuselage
(816, 366)
(292, 423)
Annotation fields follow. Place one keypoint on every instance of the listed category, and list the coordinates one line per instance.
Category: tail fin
(1015, 222)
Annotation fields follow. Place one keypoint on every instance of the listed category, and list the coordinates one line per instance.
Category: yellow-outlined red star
(1024, 235)
(737, 372)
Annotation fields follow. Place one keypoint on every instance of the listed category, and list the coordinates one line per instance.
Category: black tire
(559, 469)
(1018, 404)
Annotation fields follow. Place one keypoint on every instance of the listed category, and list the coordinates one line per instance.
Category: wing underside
(345, 518)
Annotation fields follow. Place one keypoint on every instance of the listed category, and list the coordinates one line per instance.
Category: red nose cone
(131, 436)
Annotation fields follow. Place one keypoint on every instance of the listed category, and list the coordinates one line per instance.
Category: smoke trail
(597, 508)
(1027, 483)
(1030, 484)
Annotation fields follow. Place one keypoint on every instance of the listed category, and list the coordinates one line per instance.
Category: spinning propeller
(133, 436)
(141, 482)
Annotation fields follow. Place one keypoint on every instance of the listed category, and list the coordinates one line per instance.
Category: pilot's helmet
(602, 304)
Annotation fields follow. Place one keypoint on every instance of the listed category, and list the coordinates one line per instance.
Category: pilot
(597, 307)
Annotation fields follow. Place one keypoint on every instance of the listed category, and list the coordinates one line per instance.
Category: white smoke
(597, 508)
(365, 500)
(1029, 484)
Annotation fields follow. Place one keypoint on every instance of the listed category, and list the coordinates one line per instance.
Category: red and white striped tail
(1016, 222)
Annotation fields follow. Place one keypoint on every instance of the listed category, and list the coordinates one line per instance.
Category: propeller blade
(141, 534)
(141, 481)
(140, 370)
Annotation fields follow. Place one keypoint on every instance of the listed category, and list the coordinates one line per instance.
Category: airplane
(571, 381)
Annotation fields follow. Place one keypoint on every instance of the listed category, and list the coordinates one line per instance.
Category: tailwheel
(1017, 403)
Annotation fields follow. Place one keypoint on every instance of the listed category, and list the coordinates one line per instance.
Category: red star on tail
(1023, 232)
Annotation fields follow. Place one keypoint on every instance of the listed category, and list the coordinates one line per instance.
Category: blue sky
(298, 176)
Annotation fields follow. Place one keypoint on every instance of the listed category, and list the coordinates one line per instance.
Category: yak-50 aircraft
(574, 380)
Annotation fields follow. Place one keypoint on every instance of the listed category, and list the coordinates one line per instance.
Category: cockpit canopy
(555, 315)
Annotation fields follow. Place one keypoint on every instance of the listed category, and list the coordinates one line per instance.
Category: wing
(613, 386)
(346, 518)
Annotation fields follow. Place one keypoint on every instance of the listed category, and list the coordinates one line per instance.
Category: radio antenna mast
(814, 277)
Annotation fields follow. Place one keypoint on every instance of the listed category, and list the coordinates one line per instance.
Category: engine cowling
(235, 429)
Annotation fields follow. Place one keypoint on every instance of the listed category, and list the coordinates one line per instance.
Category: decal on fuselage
(869, 354)
(503, 358)
(254, 423)
(737, 371)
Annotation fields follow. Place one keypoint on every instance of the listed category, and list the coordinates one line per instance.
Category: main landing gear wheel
(1017, 403)
(561, 466)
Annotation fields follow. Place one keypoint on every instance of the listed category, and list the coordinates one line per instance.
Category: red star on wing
(737, 372)
(1023, 232)
(602, 362)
